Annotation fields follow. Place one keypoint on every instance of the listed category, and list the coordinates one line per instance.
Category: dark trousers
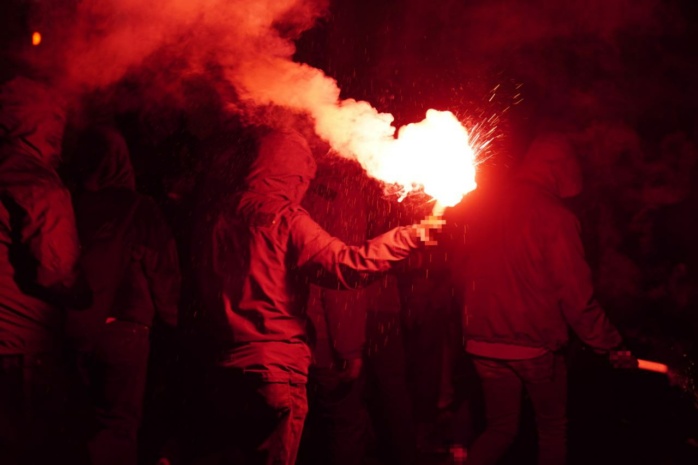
(390, 402)
(33, 405)
(256, 422)
(114, 375)
(337, 428)
(545, 381)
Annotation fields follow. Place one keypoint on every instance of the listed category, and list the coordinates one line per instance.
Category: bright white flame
(434, 155)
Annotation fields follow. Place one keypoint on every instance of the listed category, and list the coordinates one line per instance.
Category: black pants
(33, 410)
(390, 403)
(337, 427)
(255, 422)
(503, 381)
(114, 375)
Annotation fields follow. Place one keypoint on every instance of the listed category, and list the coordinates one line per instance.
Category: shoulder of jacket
(294, 213)
(295, 216)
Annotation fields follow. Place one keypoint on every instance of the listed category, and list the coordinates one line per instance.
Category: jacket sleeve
(49, 232)
(572, 278)
(161, 267)
(316, 250)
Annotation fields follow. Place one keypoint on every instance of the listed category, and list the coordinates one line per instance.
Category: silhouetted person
(526, 283)
(390, 399)
(130, 259)
(264, 248)
(38, 255)
(338, 420)
(426, 292)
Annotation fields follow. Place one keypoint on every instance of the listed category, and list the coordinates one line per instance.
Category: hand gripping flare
(430, 225)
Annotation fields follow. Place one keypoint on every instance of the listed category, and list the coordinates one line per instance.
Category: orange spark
(36, 38)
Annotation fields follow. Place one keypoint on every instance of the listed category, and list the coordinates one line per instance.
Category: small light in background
(36, 38)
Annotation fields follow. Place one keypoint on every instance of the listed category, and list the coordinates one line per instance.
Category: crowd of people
(328, 328)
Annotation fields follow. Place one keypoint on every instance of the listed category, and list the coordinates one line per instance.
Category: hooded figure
(39, 243)
(38, 256)
(130, 259)
(526, 283)
(337, 423)
(264, 249)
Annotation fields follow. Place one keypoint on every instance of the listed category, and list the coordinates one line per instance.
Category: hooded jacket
(38, 239)
(129, 253)
(265, 249)
(525, 278)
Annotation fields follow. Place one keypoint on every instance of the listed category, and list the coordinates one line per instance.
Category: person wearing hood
(526, 283)
(38, 256)
(264, 250)
(130, 259)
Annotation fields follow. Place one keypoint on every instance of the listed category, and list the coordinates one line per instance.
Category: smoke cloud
(106, 39)
(248, 45)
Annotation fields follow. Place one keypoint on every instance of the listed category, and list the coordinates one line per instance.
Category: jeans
(545, 380)
(256, 422)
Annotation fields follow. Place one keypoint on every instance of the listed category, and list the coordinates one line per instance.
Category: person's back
(511, 292)
(525, 283)
(260, 241)
(263, 251)
(523, 269)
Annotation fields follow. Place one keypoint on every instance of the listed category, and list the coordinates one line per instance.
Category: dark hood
(551, 164)
(32, 118)
(281, 172)
(102, 160)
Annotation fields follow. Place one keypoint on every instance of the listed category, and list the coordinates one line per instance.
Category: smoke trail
(250, 41)
(109, 38)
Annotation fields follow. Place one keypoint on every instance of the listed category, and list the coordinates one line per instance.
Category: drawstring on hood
(550, 162)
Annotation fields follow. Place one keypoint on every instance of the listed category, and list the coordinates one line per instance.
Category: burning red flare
(434, 155)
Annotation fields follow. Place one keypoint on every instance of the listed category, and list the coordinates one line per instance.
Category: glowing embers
(36, 38)
(434, 155)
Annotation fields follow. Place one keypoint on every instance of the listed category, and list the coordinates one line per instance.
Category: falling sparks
(36, 38)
